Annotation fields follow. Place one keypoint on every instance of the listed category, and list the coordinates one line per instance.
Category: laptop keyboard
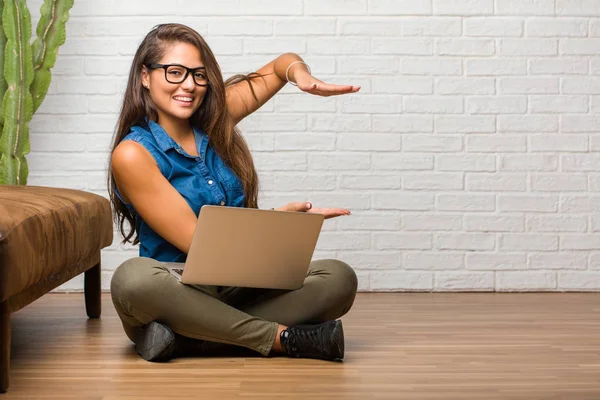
(178, 271)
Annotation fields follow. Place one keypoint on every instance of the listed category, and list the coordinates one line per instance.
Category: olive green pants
(143, 290)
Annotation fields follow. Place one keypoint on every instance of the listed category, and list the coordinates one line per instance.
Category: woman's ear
(145, 77)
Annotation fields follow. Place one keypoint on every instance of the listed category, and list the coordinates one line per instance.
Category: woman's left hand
(329, 212)
(302, 206)
(309, 84)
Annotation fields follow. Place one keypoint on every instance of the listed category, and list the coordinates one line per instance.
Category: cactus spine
(25, 76)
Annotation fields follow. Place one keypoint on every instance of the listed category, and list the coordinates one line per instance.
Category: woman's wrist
(290, 67)
(283, 65)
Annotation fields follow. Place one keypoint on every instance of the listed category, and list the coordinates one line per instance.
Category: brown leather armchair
(47, 237)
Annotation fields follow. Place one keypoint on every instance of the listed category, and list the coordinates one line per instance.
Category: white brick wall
(470, 158)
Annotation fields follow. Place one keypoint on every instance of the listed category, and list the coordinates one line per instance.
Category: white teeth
(183, 98)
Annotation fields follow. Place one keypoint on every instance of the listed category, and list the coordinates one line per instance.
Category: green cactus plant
(25, 76)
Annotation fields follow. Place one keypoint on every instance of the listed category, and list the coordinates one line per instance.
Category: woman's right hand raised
(307, 207)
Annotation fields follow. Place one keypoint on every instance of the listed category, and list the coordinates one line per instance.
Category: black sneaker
(324, 341)
(156, 343)
(159, 343)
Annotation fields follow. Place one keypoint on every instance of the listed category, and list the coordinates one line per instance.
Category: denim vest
(202, 179)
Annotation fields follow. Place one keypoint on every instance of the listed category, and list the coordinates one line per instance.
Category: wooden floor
(398, 346)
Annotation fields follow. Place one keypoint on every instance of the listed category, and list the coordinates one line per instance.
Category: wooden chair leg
(4, 346)
(92, 289)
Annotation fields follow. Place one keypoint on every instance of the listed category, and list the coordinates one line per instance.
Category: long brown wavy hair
(212, 116)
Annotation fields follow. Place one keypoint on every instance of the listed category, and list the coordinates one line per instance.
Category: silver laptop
(246, 247)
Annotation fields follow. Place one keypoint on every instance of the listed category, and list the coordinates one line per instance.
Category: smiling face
(175, 102)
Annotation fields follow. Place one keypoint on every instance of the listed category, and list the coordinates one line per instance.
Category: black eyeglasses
(176, 73)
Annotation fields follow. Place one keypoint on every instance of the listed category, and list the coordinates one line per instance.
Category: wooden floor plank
(398, 345)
